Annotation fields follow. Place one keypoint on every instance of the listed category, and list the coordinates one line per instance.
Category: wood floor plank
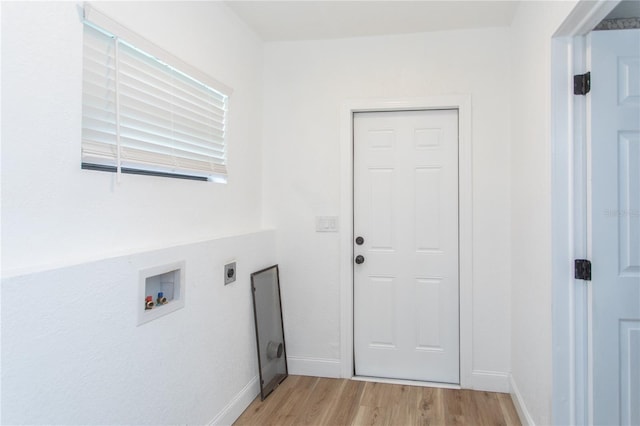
(374, 394)
(430, 409)
(295, 406)
(372, 416)
(487, 408)
(301, 400)
(453, 410)
(508, 409)
(319, 403)
(348, 402)
(404, 403)
(262, 412)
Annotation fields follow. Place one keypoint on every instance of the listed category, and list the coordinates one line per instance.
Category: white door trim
(463, 104)
(570, 399)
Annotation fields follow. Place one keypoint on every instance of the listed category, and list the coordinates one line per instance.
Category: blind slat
(168, 94)
(171, 134)
(165, 114)
(158, 78)
(140, 137)
(169, 102)
(142, 120)
(139, 152)
(147, 65)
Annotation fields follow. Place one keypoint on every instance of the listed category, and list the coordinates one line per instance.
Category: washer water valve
(148, 303)
(161, 300)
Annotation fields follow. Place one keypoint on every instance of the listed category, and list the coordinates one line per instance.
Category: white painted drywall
(530, 51)
(72, 352)
(306, 84)
(54, 213)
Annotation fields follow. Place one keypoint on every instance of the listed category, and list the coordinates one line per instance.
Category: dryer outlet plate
(230, 273)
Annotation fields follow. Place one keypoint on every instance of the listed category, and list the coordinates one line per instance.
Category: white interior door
(614, 104)
(406, 319)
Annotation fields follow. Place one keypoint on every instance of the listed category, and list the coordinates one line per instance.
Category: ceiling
(315, 20)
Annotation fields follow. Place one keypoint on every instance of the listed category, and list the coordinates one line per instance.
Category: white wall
(71, 350)
(61, 339)
(531, 301)
(305, 86)
(54, 213)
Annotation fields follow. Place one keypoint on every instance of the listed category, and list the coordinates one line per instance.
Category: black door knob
(359, 241)
(359, 259)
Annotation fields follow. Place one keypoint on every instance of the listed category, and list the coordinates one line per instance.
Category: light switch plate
(326, 223)
(230, 273)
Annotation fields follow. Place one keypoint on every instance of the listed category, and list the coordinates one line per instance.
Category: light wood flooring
(302, 400)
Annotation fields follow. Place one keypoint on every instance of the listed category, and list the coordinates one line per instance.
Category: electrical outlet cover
(230, 273)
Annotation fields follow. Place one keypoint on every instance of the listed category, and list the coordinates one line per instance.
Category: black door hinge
(583, 269)
(582, 84)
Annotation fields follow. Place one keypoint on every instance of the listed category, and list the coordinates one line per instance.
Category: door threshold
(407, 382)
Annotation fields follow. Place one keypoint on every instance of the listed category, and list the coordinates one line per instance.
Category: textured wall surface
(306, 84)
(72, 352)
(54, 213)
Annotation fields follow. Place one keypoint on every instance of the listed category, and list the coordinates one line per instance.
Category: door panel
(427, 219)
(614, 104)
(628, 201)
(406, 209)
(428, 335)
(381, 332)
(381, 207)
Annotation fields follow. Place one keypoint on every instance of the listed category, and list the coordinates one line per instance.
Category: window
(145, 111)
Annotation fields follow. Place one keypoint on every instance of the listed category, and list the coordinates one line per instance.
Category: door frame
(571, 378)
(465, 203)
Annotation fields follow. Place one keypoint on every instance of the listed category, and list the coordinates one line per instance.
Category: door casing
(463, 104)
(570, 378)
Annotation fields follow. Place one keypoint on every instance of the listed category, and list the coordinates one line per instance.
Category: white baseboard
(319, 367)
(491, 381)
(237, 405)
(521, 408)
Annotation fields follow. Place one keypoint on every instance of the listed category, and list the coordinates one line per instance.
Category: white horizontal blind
(141, 113)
